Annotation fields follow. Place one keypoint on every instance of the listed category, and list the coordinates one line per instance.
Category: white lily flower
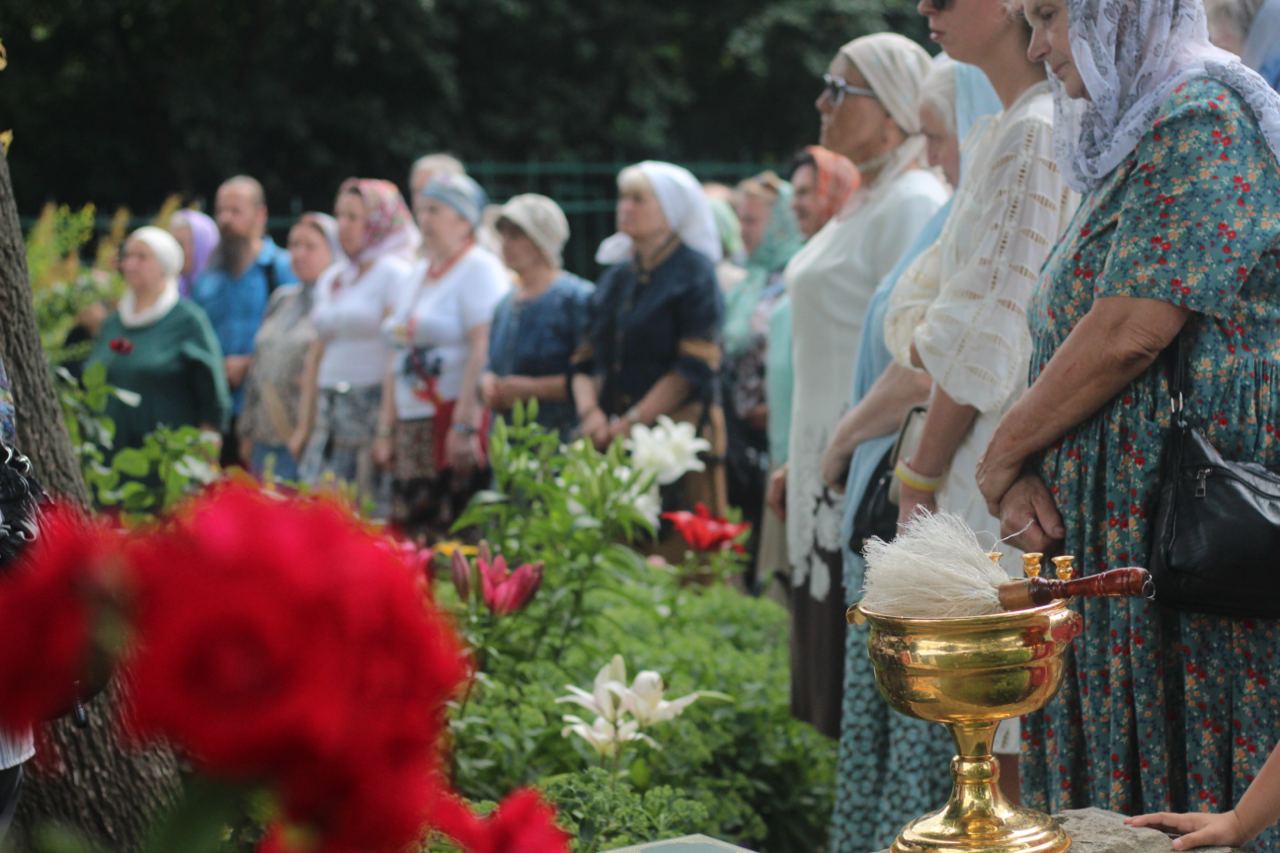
(668, 450)
(603, 736)
(643, 700)
(603, 700)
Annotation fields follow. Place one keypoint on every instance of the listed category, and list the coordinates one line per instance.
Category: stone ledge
(1101, 831)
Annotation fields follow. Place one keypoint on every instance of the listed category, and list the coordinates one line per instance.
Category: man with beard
(233, 291)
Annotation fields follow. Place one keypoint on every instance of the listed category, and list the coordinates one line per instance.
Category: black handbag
(20, 499)
(1217, 526)
(877, 512)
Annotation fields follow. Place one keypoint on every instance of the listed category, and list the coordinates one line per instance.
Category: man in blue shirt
(233, 291)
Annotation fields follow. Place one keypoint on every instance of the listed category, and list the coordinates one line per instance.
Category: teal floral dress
(1161, 710)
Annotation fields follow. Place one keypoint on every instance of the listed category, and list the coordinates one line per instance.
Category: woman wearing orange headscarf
(821, 183)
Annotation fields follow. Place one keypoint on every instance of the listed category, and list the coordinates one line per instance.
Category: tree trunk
(85, 778)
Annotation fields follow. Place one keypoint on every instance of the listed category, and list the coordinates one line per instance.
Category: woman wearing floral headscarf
(1174, 145)
(378, 239)
(868, 111)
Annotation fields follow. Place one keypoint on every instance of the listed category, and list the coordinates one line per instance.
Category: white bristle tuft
(935, 568)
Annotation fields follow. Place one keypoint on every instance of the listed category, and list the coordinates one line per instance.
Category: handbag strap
(1175, 364)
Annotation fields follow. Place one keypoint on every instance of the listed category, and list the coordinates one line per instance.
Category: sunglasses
(835, 89)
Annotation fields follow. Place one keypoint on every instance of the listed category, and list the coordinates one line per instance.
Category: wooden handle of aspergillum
(1037, 592)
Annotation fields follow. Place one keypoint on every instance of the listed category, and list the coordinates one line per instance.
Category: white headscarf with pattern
(1131, 55)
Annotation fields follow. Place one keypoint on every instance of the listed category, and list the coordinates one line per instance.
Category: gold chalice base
(969, 674)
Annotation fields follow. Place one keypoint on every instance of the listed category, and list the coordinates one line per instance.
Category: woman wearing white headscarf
(1174, 144)
(868, 110)
(160, 347)
(652, 345)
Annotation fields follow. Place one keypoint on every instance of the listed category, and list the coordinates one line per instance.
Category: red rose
(704, 532)
(522, 822)
(283, 641)
(48, 605)
(123, 346)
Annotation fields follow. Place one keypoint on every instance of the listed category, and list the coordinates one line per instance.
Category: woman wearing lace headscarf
(868, 110)
(1173, 143)
(352, 299)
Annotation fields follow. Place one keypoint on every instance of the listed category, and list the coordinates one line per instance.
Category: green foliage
(762, 779)
(171, 464)
(305, 95)
(602, 813)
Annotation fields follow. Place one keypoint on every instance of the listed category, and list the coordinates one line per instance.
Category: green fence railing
(586, 191)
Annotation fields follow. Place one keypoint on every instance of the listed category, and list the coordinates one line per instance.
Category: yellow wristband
(915, 480)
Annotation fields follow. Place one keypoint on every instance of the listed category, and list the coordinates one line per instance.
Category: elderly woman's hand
(1029, 518)
(911, 501)
(460, 452)
(997, 472)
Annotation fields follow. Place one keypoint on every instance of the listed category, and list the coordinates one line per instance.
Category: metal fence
(586, 191)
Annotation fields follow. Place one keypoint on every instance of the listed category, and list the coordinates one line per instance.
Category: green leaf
(131, 462)
(198, 822)
(55, 838)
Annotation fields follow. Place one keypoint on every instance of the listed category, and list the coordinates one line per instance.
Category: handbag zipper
(1202, 485)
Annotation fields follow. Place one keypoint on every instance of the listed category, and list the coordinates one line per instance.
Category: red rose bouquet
(280, 645)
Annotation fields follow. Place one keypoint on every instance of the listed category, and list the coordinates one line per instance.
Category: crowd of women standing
(998, 244)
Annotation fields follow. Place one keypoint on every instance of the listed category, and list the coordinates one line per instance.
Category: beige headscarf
(895, 68)
(542, 220)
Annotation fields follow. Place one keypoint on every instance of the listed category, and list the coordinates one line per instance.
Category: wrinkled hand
(997, 473)
(493, 392)
(619, 428)
(595, 427)
(777, 494)
(911, 501)
(460, 452)
(1029, 517)
(835, 467)
(1198, 829)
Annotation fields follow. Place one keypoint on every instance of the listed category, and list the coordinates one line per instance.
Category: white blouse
(963, 303)
(830, 282)
(348, 318)
(438, 315)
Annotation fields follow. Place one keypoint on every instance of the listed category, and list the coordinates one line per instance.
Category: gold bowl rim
(991, 620)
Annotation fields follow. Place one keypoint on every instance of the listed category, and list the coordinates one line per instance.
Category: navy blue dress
(537, 337)
(641, 330)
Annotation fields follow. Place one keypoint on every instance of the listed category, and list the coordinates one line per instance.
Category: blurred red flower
(704, 532)
(123, 346)
(48, 602)
(522, 822)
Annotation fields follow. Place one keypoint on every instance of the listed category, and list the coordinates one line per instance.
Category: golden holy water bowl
(969, 673)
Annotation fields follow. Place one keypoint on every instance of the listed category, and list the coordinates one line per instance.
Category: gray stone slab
(1101, 831)
(687, 844)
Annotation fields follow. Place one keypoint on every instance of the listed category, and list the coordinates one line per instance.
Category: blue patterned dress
(1162, 710)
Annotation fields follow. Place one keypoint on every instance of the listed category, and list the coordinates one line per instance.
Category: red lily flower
(505, 591)
(704, 532)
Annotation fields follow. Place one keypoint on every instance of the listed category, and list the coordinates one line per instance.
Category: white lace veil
(1131, 55)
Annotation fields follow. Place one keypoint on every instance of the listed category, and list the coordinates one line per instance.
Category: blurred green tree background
(122, 102)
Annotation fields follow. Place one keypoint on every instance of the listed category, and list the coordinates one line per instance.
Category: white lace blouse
(963, 302)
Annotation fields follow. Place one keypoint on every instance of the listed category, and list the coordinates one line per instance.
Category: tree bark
(84, 778)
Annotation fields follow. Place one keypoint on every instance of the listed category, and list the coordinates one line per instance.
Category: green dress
(1161, 710)
(173, 364)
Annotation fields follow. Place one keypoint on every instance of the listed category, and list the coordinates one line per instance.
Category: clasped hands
(1019, 498)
